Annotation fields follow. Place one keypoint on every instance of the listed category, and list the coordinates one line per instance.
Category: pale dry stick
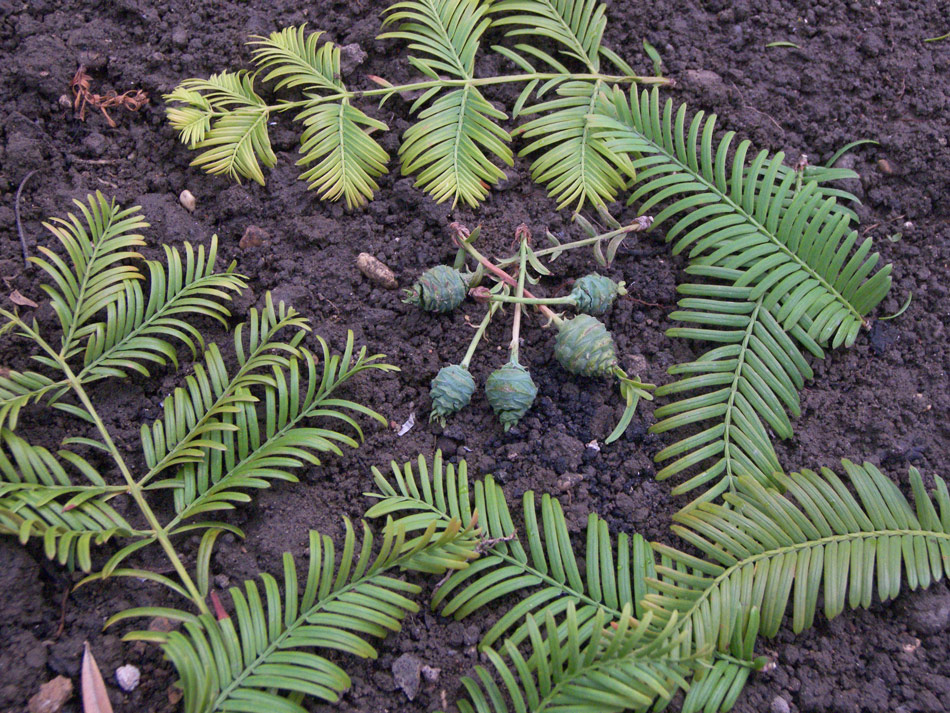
(16, 212)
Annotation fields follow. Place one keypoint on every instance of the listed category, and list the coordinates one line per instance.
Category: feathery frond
(347, 158)
(136, 329)
(576, 25)
(225, 117)
(263, 659)
(336, 137)
(451, 146)
(268, 442)
(194, 413)
(296, 59)
(447, 147)
(39, 499)
(573, 162)
(575, 608)
(745, 386)
(94, 274)
(132, 330)
(18, 389)
(765, 550)
(615, 670)
(549, 569)
(791, 243)
(447, 33)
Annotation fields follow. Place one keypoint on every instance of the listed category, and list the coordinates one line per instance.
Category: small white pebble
(779, 705)
(911, 647)
(127, 677)
(187, 200)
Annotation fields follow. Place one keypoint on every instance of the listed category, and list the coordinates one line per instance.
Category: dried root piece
(84, 97)
(376, 271)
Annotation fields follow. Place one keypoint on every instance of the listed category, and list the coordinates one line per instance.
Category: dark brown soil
(862, 71)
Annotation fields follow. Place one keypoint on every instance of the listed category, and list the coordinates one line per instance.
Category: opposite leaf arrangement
(779, 266)
(457, 143)
(583, 345)
(779, 272)
(623, 628)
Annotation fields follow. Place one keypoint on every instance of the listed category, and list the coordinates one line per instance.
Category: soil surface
(861, 71)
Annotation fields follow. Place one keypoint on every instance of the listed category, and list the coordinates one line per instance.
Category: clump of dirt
(862, 71)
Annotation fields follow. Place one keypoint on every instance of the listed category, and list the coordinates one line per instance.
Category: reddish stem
(503, 276)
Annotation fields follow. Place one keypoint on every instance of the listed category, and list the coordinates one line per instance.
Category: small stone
(93, 60)
(779, 705)
(188, 201)
(127, 677)
(52, 696)
(703, 78)
(221, 581)
(95, 143)
(637, 363)
(161, 623)
(65, 102)
(351, 57)
(567, 482)
(406, 671)
(512, 178)
(472, 635)
(886, 167)
(431, 674)
(253, 237)
(929, 612)
(180, 37)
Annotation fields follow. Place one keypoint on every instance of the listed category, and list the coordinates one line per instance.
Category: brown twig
(487, 543)
(459, 233)
(16, 212)
(83, 97)
(97, 161)
(645, 303)
(62, 615)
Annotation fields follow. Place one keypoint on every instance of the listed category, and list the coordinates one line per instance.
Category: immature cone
(451, 390)
(585, 347)
(438, 289)
(594, 294)
(510, 392)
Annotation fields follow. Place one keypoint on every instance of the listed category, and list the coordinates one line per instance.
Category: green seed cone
(594, 294)
(451, 390)
(438, 289)
(510, 392)
(585, 347)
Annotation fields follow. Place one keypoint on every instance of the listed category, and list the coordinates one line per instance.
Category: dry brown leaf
(83, 97)
(95, 699)
(18, 299)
